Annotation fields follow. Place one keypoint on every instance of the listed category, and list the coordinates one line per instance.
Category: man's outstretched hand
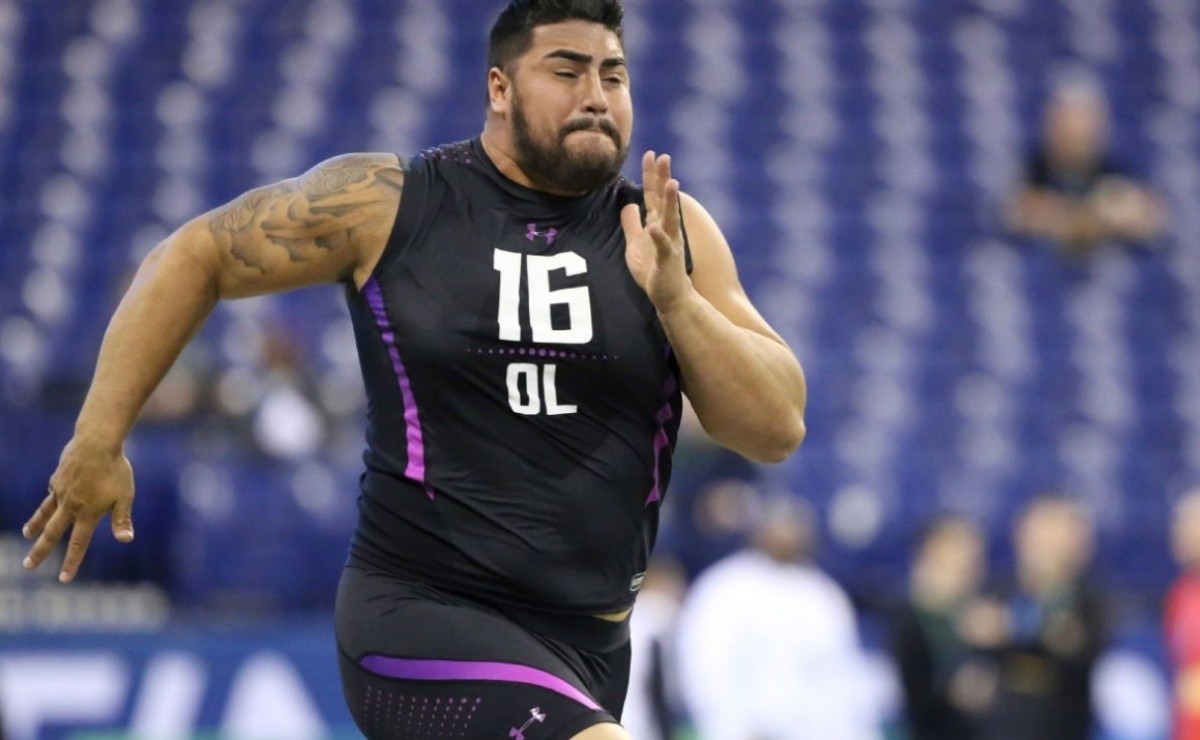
(654, 251)
(90, 482)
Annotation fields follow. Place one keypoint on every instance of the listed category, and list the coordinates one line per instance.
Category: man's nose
(594, 100)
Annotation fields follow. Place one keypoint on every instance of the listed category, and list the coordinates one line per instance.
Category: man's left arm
(744, 382)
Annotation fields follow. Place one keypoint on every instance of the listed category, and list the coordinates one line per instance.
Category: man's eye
(566, 75)
(616, 80)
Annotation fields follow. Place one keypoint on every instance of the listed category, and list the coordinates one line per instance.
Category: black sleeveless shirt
(523, 400)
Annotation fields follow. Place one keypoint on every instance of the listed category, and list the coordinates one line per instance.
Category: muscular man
(526, 320)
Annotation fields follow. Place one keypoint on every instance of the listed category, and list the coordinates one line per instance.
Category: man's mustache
(595, 124)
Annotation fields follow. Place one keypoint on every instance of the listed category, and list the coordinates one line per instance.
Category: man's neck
(499, 149)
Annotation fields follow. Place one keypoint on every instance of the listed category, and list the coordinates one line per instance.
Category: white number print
(508, 264)
(523, 395)
(528, 387)
(542, 298)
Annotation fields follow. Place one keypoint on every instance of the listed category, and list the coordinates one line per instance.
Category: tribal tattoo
(318, 212)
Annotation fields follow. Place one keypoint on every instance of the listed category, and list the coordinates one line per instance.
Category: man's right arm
(330, 224)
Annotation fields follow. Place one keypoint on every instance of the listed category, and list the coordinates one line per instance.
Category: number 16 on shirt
(524, 394)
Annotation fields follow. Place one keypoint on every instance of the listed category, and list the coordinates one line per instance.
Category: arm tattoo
(334, 177)
(320, 211)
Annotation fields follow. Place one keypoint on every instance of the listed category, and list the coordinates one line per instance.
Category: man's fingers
(650, 184)
(81, 537)
(662, 172)
(50, 536)
(122, 515)
(671, 213)
(37, 522)
(664, 247)
(631, 222)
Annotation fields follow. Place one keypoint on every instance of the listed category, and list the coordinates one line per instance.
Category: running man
(526, 321)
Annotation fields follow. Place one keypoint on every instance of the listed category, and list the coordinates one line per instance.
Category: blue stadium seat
(858, 172)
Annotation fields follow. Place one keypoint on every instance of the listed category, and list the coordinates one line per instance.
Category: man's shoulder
(455, 152)
(346, 169)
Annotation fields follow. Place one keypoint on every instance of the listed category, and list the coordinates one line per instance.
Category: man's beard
(554, 166)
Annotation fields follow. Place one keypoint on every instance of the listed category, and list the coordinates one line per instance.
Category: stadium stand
(856, 152)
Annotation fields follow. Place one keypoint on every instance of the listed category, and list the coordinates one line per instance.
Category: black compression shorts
(418, 663)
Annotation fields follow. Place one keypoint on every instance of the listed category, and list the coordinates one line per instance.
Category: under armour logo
(533, 233)
(536, 715)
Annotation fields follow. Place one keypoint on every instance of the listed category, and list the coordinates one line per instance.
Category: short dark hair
(512, 33)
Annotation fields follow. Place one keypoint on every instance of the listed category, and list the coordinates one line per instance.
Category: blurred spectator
(1046, 632)
(1183, 617)
(652, 706)
(1073, 192)
(289, 422)
(271, 398)
(768, 644)
(945, 685)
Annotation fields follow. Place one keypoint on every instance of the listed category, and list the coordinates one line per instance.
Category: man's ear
(499, 91)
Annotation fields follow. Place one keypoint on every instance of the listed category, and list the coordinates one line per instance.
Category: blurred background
(975, 221)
